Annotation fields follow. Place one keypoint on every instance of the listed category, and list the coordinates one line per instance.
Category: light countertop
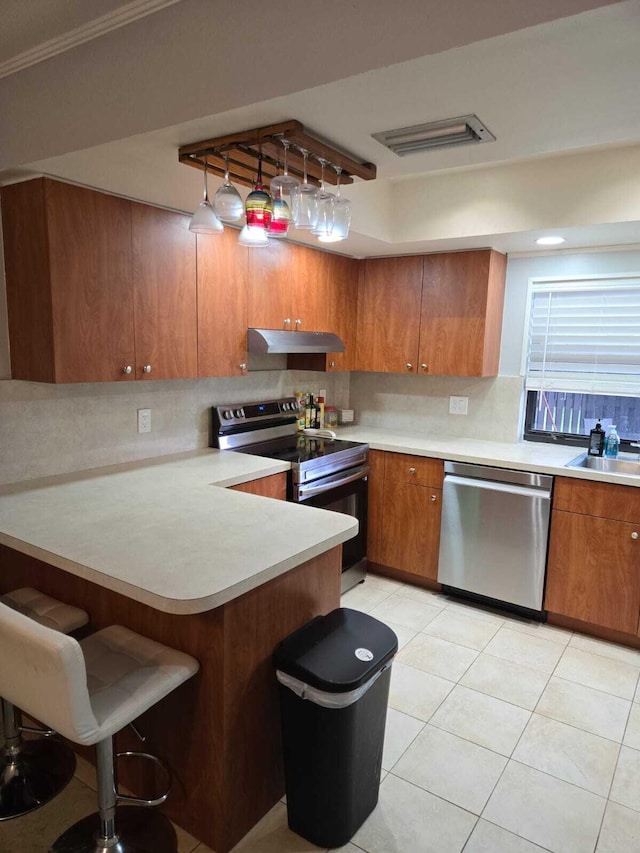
(522, 456)
(164, 533)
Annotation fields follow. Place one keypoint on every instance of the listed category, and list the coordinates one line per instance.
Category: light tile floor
(503, 736)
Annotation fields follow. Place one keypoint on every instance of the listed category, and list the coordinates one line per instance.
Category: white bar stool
(33, 772)
(88, 691)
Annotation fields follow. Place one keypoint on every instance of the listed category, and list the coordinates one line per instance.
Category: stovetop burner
(299, 449)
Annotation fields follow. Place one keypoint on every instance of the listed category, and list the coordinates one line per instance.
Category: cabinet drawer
(414, 469)
(590, 497)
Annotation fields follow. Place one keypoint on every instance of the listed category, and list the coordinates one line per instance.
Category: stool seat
(46, 610)
(32, 772)
(87, 692)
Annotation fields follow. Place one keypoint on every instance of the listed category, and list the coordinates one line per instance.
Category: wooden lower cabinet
(274, 486)
(411, 528)
(405, 500)
(593, 569)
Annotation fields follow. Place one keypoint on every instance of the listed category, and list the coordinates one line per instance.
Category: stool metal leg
(32, 772)
(127, 829)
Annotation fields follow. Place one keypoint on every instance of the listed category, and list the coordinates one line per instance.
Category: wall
(421, 403)
(52, 429)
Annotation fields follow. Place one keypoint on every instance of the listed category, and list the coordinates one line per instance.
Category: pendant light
(204, 220)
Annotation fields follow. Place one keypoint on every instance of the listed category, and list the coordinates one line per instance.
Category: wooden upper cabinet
(342, 309)
(270, 287)
(69, 283)
(222, 305)
(164, 282)
(389, 315)
(287, 288)
(309, 289)
(461, 317)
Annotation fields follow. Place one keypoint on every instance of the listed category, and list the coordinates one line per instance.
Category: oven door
(344, 492)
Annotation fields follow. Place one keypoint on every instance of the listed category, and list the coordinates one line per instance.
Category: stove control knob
(285, 407)
(239, 413)
(227, 415)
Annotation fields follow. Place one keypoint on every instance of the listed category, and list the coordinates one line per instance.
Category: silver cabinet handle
(412, 470)
(434, 498)
(287, 321)
(409, 366)
(332, 364)
(127, 369)
(634, 535)
(243, 366)
(423, 366)
(298, 322)
(146, 368)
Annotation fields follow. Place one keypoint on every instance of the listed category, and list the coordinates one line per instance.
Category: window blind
(585, 336)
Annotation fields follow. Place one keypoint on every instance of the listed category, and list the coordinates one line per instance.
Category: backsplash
(55, 429)
(420, 404)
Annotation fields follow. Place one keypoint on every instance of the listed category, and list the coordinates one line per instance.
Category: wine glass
(227, 202)
(280, 217)
(204, 220)
(258, 206)
(253, 238)
(283, 185)
(324, 224)
(304, 199)
(341, 216)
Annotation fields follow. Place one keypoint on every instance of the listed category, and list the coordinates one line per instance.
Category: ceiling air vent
(436, 134)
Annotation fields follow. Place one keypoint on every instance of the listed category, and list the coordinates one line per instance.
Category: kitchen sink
(624, 463)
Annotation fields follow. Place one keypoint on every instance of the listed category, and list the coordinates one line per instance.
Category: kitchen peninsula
(160, 547)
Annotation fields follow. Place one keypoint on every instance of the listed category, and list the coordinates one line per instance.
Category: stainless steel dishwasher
(493, 536)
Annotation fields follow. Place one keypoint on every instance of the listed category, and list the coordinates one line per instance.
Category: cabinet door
(389, 315)
(411, 528)
(592, 570)
(164, 286)
(91, 283)
(375, 505)
(461, 317)
(222, 305)
(342, 308)
(310, 273)
(270, 287)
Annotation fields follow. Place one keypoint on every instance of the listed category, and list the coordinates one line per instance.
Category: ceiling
(555, 89)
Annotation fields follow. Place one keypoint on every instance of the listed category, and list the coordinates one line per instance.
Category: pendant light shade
(253, 237)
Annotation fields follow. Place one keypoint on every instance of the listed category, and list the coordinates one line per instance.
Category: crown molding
(126, 14)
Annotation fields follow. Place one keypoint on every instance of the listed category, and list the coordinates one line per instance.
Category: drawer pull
(634, 535)
(434, 498)
(412, 470)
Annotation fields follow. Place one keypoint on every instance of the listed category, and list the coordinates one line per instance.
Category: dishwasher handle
(494, 486)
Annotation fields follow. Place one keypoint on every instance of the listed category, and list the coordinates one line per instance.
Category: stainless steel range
(327, 473)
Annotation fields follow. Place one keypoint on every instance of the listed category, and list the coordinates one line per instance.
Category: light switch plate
(458, 405)
(144, 420)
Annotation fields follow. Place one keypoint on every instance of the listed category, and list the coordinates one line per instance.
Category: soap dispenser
(612, 443)
(596, 440)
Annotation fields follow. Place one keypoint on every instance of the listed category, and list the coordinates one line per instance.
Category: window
(582, 358)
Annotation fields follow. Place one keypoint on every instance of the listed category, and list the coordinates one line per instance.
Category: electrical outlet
(458, 405)
(144, 420)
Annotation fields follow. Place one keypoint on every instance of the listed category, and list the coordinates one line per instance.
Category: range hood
(279, 341)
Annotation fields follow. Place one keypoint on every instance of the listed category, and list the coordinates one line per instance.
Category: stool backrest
(43, 672)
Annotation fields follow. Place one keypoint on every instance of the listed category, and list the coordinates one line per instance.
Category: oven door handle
(325, 485)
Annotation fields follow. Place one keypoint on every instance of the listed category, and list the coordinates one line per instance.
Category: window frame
(530, 395)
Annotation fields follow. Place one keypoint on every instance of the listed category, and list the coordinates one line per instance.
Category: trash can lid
(337, 652)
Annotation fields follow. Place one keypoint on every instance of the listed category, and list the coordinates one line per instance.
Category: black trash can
(334, 676)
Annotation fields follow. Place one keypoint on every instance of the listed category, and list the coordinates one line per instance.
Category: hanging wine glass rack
(244, 149)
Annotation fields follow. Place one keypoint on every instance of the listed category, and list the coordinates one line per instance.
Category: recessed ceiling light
(549, 241)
